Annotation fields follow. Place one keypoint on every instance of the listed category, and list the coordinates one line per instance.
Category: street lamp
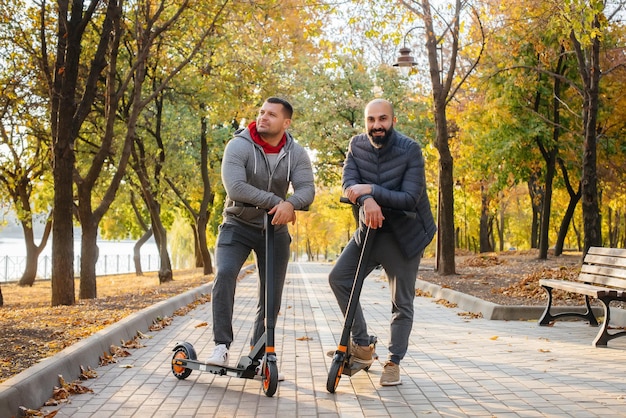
(406, 61)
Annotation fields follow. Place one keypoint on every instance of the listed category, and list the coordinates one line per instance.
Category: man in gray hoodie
(260, 163)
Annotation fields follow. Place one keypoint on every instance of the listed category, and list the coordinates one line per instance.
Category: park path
(457, 366)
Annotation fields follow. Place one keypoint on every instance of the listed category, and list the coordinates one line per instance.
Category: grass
(33, 330)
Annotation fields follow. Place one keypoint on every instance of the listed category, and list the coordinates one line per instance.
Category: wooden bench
(602, 276)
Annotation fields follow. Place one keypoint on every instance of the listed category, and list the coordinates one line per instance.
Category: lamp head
(405, 61)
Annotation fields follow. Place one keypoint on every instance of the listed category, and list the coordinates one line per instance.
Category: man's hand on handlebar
(357, 190)
(284, 213)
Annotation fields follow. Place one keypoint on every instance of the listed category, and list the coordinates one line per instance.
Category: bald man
(384, 175)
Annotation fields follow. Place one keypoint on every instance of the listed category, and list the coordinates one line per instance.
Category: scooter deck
(246, 372)
(350, 366)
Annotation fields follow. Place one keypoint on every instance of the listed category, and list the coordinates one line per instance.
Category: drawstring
(254, 152)
(288, 161)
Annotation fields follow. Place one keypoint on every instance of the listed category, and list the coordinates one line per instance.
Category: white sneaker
(219, 356)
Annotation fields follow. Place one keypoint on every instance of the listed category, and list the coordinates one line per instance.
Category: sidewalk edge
(33, 387)
(492, 311)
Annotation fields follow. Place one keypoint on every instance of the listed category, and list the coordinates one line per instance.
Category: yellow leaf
(495, 337)
(201, 324)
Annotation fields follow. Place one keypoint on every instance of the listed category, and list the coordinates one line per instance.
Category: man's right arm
(235, 180)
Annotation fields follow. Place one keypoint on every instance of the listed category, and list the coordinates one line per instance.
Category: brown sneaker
(391, 375)
(362, 353)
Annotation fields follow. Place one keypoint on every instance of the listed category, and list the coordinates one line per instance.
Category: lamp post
(406, 61)
(461, 187)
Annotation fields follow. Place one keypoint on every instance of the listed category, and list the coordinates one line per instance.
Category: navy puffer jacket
(396, 173)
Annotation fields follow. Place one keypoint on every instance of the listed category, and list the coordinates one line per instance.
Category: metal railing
(12, 267)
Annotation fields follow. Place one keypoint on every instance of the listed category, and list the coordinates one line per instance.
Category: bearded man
(384, 175)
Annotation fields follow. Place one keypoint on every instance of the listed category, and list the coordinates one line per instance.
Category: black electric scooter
(342, 360)
(262, 354)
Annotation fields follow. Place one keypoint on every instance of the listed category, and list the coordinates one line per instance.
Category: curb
(492, 311)
(33, 387)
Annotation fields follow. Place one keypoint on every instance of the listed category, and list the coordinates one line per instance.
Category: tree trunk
(590, 74)
(63, 108)
(536, 202)
(1, 298)
(32, 255)
(204, 250)
(446, 264)
(207, 199)
(569, 212)
(565, 222)
(62, 281)
(137, 251)
(501, 229)
(33, 251)
(197, 251)
(160, 235)
(547, 205)
(88, 259)
(485, 223)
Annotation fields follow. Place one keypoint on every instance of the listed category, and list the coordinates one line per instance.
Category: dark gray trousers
(234, 244)
(401, 273)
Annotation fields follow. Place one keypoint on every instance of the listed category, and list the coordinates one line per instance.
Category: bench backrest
(604, 266)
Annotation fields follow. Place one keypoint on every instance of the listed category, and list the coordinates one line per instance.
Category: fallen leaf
(134, 343)
(495, 337)
(202, 324)
(27, 412)
(446, 303)
(87, 374)
(142, 335)
(106, 358)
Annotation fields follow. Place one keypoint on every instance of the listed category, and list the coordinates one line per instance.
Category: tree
(70, 77)
(69, 110)
(201, 216)
(24, 137)
(444, 37)
(585, 33)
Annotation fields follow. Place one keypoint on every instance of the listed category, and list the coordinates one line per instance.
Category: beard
(379, 141)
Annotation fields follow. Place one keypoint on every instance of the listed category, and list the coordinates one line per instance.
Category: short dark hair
(288, 109)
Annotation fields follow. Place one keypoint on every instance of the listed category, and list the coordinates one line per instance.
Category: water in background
(115, 257)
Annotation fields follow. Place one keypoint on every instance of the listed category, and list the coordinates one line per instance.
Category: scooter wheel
(270, 378)
(336, 368)
(179, 371)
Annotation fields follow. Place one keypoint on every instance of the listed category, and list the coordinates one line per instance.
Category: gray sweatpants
(234, 244)
(401, 273)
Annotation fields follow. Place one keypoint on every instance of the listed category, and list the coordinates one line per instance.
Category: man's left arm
(302, 181)
(303, 184)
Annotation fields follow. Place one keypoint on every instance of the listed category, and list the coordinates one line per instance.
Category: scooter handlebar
(407, 213)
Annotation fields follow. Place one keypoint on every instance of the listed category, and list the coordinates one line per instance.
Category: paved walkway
(457, 366)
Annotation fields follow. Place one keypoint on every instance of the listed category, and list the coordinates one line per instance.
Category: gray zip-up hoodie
(252, 187)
